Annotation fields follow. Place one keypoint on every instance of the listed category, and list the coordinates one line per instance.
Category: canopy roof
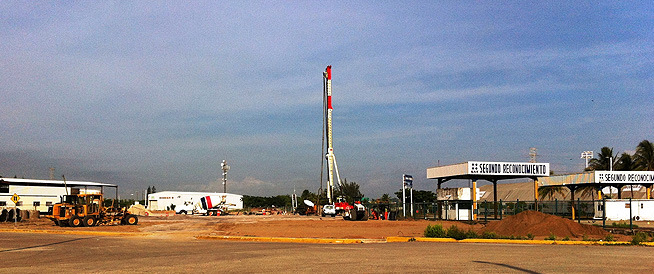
(490, 171)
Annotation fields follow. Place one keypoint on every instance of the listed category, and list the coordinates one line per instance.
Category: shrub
(530, 236)
(623, 224)
(566, 238)
(639, 238)
(609, 238)
(552, 237)
(435, 231)
(472, 235)
(585, 238)
(456, 233)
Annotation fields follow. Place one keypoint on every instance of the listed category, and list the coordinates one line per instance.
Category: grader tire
(89, 221)
(11, 214)
(75, 221)
(364, 216)
(131, 219)
(353, 215)
(4, 215)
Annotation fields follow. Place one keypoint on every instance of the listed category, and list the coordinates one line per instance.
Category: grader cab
(88, 210)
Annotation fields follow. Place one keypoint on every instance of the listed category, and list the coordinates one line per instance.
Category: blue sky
(158, 93)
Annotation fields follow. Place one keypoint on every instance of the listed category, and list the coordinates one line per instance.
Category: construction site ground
(537, 224)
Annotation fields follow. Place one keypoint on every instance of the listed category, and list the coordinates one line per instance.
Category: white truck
(329, 210)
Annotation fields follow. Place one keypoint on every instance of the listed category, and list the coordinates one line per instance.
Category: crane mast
(331, 159)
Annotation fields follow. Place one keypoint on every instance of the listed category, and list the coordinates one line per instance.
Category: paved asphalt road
(52, 253)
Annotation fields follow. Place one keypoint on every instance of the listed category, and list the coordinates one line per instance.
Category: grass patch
(623, 224)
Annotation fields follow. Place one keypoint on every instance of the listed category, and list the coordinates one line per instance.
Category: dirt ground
(529, 222)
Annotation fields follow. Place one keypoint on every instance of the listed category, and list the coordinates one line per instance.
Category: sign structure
(627, 177)
(509, 168)
(15, 198)
(408, 181)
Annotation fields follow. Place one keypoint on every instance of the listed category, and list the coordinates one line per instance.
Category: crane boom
(331, 159)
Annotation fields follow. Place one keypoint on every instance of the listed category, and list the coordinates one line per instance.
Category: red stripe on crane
(329, 72)
(329, 102)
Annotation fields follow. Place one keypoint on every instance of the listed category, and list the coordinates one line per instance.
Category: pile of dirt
(137, 210)
(541, 224)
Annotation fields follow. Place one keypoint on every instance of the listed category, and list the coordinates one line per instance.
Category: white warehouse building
(36, 194)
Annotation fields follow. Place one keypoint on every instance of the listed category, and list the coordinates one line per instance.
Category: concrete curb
(290, 240)
(506, 241)
(330, 241)
(63, 232)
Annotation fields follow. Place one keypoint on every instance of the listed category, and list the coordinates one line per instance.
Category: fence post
(604, 213)
(515, 208)
(446, 211)
(501, 209)
(579, 214)
(631, 225)
(556, 207)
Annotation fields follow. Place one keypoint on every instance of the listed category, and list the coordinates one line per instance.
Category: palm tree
(350, 191)
(644, 157)
(550, 191)
(625, 163)
(603, 160)
(585, 191)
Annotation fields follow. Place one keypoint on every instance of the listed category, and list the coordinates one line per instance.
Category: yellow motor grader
(88, 210)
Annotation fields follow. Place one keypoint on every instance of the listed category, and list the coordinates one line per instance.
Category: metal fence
(486, 210)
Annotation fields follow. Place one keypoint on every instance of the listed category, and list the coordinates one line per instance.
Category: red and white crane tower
(356, 211)
(331, 158)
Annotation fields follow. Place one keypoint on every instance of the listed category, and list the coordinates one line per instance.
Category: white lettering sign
(508, 168)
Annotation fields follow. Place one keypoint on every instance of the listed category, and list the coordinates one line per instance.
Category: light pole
(587, 155)
(225, 168)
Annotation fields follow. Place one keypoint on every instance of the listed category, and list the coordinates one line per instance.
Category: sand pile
(540, 224)
(137, 210)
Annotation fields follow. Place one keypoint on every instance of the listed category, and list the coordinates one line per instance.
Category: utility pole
(52, 171)
(225, 168)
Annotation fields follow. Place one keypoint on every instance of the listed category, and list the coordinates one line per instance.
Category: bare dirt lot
(529, 222)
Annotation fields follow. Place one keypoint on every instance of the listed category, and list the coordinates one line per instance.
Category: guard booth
(457, 203)
(489, 171)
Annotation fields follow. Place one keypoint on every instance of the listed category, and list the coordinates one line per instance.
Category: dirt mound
(541, 224)
(137, 210)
